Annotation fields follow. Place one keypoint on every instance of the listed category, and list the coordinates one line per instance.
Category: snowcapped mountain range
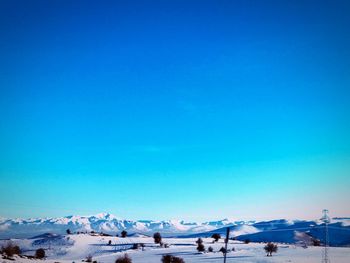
(280, 230)
(104, 222)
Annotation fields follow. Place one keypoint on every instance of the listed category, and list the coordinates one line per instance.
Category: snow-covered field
(75, 248)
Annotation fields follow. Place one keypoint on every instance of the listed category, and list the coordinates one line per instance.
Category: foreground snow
(77, 247)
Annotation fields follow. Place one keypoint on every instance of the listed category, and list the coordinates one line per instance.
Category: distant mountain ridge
(104, 222)
(280, 230)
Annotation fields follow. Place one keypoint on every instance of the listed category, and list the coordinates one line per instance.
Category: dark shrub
(246, 241)
(123, 259)
(171, 259)
(216, 237)
(16, 250)
(40, 253)
(167, 258)
(10, 249)
(270, 248)
(68, 232)
(157, 238)
(223, 250)
(110, 242)
(124, 233)
(210, 249)
(316, 242)
(88, 258)
(200, 248)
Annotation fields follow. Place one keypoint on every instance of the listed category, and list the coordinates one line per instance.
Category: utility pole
(49, 242)
(226, 241)
(326, 220)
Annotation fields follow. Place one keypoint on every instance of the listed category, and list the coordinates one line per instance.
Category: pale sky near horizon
(195, 110)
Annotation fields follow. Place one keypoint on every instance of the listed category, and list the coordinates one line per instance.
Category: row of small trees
(269, 248)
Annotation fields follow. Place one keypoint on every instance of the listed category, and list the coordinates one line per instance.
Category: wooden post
(226, 241)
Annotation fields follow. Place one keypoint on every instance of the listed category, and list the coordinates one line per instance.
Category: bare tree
(200, 246)
(270, 248)
(157, 238)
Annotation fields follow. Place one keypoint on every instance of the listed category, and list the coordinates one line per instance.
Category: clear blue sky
(175, 109)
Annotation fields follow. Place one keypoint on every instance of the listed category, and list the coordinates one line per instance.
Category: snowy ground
(75, 248)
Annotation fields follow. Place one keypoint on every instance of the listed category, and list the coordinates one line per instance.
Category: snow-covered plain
(76, 247)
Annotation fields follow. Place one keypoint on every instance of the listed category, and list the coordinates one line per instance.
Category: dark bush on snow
(216, 237)
(10, 249)
(270, 248)
(171, 259)
(210, 249)
(200, 248)
(123, 259)
(223, 250)
(316, 242)
(157, 238)
(124, 233)
(40, 253)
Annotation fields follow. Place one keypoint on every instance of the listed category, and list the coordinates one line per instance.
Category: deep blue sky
(175, 109)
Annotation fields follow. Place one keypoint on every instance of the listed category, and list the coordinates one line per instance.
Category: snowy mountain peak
(110, 224)
(102, 222)
(106, 216)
